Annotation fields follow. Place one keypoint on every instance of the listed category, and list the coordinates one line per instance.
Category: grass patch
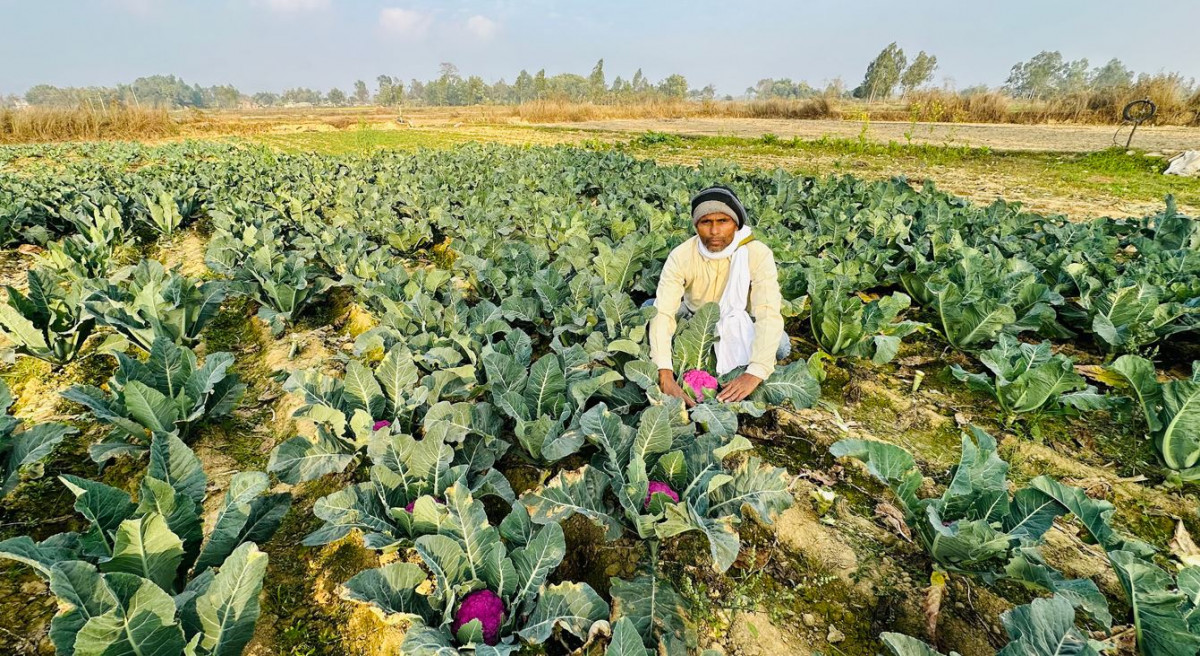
(1112, 172)
(363, 140)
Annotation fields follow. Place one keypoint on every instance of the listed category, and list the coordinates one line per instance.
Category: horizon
(274, 45)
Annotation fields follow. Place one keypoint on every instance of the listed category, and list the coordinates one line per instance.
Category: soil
(1050, 138)
(816, 580)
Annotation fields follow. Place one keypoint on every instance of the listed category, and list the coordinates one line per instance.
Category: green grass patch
(364, 140)
(1111, 172)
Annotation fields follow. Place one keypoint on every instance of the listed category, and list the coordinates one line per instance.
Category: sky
(271, 45)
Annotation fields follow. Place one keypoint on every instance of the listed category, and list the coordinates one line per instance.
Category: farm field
(1077, 184)
(998, 137)
(363, 374)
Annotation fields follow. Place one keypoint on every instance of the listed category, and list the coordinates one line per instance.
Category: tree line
(1045, 76)
(449, 88)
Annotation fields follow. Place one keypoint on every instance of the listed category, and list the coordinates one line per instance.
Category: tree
(1073, 78)
(336, 97)
(596, 82)
(225, 97)
(540, 86)
(388, 95)
(640, 84)
(1112, 75)
(361, 95)
(674, 87)
(523, 87)
(919, 72)
(416, 91)
(883, 73)
(475, 91)
(302, 95)
(1037, 77)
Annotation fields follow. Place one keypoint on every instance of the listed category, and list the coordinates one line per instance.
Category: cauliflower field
(402, 404)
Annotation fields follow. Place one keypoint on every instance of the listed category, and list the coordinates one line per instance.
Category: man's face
(716, 231)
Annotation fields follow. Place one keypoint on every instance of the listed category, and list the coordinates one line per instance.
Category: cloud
(405, 22)
(482, 26)
(294, 6)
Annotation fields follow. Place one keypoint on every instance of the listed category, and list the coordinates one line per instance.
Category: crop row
(505, 288)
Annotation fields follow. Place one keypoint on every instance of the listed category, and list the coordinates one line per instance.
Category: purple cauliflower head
(661, 488)
(485, 606)
(699, 380)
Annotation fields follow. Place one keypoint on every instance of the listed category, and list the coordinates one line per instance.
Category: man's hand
(739, 388)
(667, 383)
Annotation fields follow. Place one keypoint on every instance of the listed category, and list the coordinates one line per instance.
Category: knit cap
(720, 200)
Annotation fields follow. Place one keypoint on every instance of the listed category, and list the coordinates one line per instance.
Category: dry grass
(49, 124)
(1177, 105)
(552, 111)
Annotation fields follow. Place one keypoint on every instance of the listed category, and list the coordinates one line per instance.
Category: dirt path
(1055, 138)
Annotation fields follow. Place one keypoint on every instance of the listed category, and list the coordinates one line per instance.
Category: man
(722, 263)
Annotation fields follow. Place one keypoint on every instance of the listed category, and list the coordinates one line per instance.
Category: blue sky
(274, 44)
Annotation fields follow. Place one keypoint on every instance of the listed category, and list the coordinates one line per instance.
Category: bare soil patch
(1051, 138)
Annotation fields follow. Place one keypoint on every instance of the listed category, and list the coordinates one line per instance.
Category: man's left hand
(739, 388)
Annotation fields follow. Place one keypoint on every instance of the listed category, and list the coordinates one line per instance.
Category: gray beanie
(712, 207)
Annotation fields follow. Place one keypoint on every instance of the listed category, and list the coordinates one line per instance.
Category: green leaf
(29, 448)
(301, 459)
(142, 622)
(21, 331)
(173, 462)
(469, 523)
(902, 645)
(545, 387)
(445, 558)
(573, 492)
(1158, 611)
(1139, 374)
(641, 373)
(760, 487)
(228, 610)
(447, 422)
(1179, 440)
(625, 640)
(363, 391)
(105, 507)
(248, 515)
(181, 513)
(716, 418)
(654, 433)
(1028, 568)
(693, 346)
(147, 547)
(890, 464)
(1094, 514)
(44, 555)
(397, 374)
(393, 590)
(150, 408)
(653, 606)
(792, 384)
(427, 641)
(82, 595)
(534, 562)
(574, 607)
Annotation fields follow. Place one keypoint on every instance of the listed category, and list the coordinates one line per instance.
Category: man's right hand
(667, 383)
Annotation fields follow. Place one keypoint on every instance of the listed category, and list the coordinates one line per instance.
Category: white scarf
(735, 328)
